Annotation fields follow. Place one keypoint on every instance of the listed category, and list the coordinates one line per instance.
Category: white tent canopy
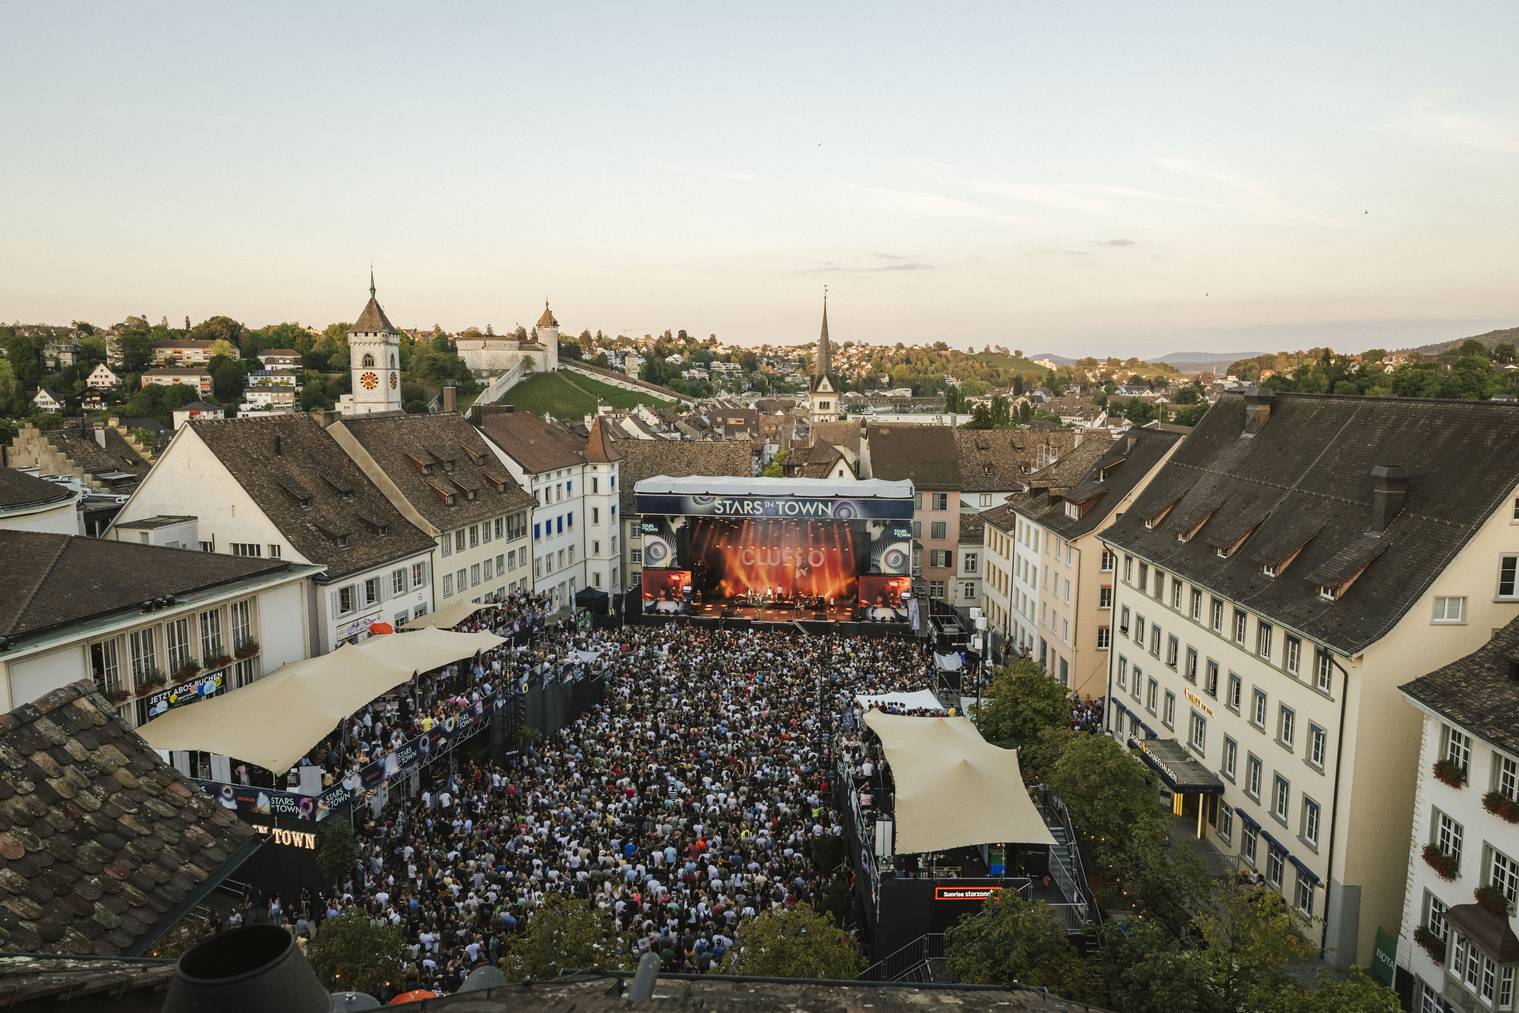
(954, 789)
(918, 699)
(277, 719)
(447, 617)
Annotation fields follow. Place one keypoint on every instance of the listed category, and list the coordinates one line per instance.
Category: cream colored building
(1296, 561)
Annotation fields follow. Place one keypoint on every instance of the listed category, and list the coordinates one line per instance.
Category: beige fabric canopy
(954, 789)
(447, 617)
(277, 719)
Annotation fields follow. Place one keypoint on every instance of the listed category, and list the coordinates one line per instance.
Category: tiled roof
(972, 527)
(52, 580)
(820, 460)
(1309, 469)
(83, 450)
(643, 459)
(1479, 692)
(184, 343)
(312, 491)
(547, 319)
(101, 842)
(598, 446)
(997, 460)
(1003, 517)
(437, 462)
(18, 489)
(536, 445)
(1112, 471)
(840, 434)
(372, 318)
(924, 454)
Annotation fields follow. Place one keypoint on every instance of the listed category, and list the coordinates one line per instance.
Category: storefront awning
(1178, 769)
(1303, 871)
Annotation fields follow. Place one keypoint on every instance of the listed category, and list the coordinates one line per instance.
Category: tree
(777, 466)
(219, 328)
(8, 387)
(336, 849)
(1012, 939)
(228, 378)
(1022, 702)
(564, 934)
(1111, 799)
(351, 952)
(223, 347)
(799, 943)
(1248, 941)
(1357, 993)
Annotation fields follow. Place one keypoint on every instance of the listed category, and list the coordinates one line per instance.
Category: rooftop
(643, 459)
(996, 460)
(84, 448)
(535, 444)
(52, 580)
(1293, 488)
(20, 491)
(925, 455)
(1479, 692)
(1112, 470)
(103, 846)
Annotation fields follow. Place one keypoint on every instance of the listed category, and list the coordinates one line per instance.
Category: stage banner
(837, 508)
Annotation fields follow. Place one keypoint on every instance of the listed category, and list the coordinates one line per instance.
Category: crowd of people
(1087, 715)
(696, 795)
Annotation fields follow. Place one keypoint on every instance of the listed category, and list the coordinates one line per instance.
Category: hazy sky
(1055, 177)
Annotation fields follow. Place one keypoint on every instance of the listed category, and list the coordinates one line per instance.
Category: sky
(1070, 178)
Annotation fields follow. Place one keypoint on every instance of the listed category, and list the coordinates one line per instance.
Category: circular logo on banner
(655, 553)
(369, 381)
(843, 512)
(894, 559)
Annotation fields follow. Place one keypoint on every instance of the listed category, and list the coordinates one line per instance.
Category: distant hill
(1491, 338)
(1195, 358)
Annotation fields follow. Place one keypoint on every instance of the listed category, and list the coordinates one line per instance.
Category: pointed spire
(822, 363)
(371, 280)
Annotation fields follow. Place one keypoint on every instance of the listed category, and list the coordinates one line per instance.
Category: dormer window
(343, 540)
(1156, 519)
(1327, 593)
(1269, 569)
(1073, 511)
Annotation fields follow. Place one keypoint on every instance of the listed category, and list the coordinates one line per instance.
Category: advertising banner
(836, 508)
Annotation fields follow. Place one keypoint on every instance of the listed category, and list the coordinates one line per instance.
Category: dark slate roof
(102, 844)
(1002, 517)
(996, 460)
(51, 580)
(926, 455)
(285, 460)
(1479, 691)
(643, 459)
(83, 449)
(19, 490)
(1308, 472)
(972, 527)
(432, 457)
(841, 434)
(1117, 469)
(819, 461)
(372, 318)
(535, 444)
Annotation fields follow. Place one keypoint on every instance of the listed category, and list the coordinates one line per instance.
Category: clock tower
(374, 361)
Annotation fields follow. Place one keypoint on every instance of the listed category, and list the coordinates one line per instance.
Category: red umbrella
(415, 995)
(375, 628)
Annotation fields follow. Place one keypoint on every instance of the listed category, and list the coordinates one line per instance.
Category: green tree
(1357, 993)
(564, 934)
(228, 378)
(1019, 703)
(1111, 797)
(799, 943)
(777, 466)
(219, 328)
(1248, 941)
(8, 388)
(1012, 939)
(350, 951)
(336, 849)
(136, 341)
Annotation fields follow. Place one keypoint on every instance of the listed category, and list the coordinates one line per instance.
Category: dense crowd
(696, 795)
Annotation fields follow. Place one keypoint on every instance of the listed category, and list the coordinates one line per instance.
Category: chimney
(1388, 494)
(449, 402)
(1257, 410)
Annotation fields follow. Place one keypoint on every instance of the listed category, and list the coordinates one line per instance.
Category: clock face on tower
(369, 381)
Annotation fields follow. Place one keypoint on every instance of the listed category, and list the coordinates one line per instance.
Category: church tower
(374, 362)
(822, 399)
(548, 337)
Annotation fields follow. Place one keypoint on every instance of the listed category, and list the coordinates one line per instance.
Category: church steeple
(822, 363)
(371, 281)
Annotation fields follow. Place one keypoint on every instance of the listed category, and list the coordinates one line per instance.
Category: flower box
(246, 649)
(1445, 865)
(118, 696)
(1501, 805)
(188, 670)
(220, 661)
(1433, 946)
(1450, 772)
(151, 682)
(1492, 900)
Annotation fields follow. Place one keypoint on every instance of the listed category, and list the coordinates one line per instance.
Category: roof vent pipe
(1388, 494)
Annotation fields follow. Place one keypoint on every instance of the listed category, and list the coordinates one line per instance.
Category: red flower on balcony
(1435, 947)
(1492, 900)
(1450, 772)
(1445, 865)
(1501, 805)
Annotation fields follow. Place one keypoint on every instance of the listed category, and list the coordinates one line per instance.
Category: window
(1176, 593)
(1191, 670)
(1323, 670)
(936, 589)
(1138, 681)
(1258, 708)
(459, 540)
(1274, 867)
(1291, 654)
(461, 580)
(1231, 756)
(1506, 777)
(418, 575)
(1448, 834)
(247, 549)
(1106, 565)
(1434, 915)
(1303, 895)
(1104, 635)
(500, 564)
(940, 557)
(144, 655)
(1263, 640)
(1172, 647)
(1123, 672)
(1286, 726)
(1155, 640)
(1309, 831)
(1152, 695)
(1128, 569)
(635, 555)
(1507, 566)
(244, 672)
(242, 622)
(398, 581)
(1317, 738)
(500, 527)
(1216, 615)
(1456, 746)
(177, 638)
(1248, 835)
(1197, 605)
(1199, 736)
(1239, 627)
(1169, 716)
(209, 546)
(1104, 597)
(448, 584)
(1139, 629)
(941, 501)
(274, 551)
(487, 568)
(968, 561)
(1450, 610)
(1253, 776)
(1236, 686)
(1225, 821)
(1503, 873)
(105, 666)
(1210, 683)
(210, 635)
(938, 529)
(1144, 576)
(1281, 795)
(968, 591)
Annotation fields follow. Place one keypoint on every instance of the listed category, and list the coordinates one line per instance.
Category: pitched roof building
(28, 503)
(103, 846)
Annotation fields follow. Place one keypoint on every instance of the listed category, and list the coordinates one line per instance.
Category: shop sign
(976, 893)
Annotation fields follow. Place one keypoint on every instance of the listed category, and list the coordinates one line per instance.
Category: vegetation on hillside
(571, 396)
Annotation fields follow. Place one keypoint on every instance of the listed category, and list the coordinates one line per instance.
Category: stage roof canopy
(919, 699)
(773, 488)
(277, 719)
(954, 789)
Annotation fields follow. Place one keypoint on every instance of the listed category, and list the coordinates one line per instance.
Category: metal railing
(920, 960)
(1065, 860)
